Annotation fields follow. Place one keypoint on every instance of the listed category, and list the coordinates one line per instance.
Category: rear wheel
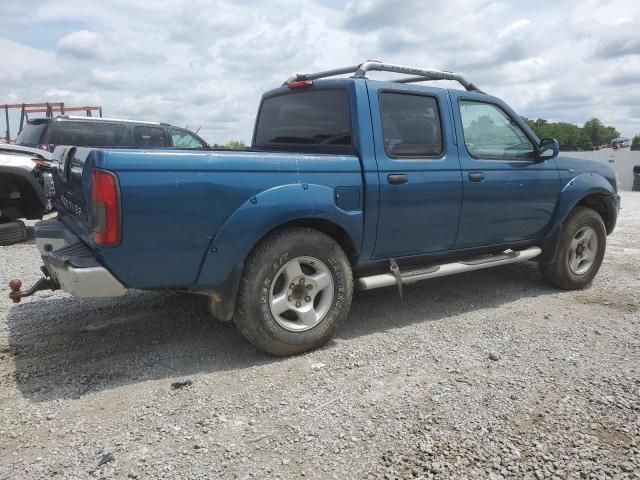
(295, 291)
(582, 247)
(12, 231)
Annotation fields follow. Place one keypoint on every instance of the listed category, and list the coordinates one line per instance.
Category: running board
(487, 261)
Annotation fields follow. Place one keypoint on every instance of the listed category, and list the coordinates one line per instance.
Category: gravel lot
(489, 374)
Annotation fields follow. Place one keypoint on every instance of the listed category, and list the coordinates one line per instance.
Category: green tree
(236, 145)
(584, 142)
(599, 133)
(594, 130)
(635, 143)
(610, 133)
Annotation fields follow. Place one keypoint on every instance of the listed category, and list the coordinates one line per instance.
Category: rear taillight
(105, 208)
(46, 146)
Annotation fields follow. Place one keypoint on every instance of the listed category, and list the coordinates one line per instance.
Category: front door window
(490, 133)
(183, 139)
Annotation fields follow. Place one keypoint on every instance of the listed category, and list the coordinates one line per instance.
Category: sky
(205, 64)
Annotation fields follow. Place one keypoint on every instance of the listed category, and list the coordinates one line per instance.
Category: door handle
(397, 178)
(476, 176)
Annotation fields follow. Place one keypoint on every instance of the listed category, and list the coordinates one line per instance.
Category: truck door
(418, 170)
(509, 194)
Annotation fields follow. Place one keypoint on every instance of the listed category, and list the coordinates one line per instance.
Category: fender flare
(576, 190)
(222, 266)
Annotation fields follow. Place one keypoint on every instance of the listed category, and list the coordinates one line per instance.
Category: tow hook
(44, 283)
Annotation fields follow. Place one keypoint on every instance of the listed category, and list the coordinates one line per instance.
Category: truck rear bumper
(89, 282)
(72, 264)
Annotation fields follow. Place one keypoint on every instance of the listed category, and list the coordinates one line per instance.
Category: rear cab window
(31, 134)
(312, 120)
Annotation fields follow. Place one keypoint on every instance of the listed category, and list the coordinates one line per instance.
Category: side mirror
(549, 148)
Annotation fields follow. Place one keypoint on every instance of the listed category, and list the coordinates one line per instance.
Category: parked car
(23, 176)
(25, 198)
(47, 133)
(350, 183)
(620, 142)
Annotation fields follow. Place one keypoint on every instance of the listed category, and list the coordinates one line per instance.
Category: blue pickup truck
(349, 183)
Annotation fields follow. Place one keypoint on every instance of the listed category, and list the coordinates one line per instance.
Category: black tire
(558, 273)
(12, 232)
(253, 315)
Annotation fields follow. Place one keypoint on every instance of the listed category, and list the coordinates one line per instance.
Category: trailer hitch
(44, 283)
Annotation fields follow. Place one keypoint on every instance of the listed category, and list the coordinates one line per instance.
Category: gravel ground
(489, 374)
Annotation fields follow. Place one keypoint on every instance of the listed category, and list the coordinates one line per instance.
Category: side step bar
(412, 276)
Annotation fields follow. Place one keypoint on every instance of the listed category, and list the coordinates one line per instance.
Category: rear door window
(148, 137)
(312, 120)
(86, 134)
(410, 125)
(31, 134)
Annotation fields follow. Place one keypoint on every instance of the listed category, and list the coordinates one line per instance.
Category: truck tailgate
(72, 187)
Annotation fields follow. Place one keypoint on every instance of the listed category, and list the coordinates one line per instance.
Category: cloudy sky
(206, 63)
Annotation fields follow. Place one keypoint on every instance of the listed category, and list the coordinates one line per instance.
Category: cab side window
(86, 134)
(184, 139)
(410, 125)
(148, 137)
(490, 133)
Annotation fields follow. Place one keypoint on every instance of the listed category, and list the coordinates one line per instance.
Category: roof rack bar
(410, 79)
(105, 119)
(469, 86)
(296, 77)
(360, 71)
(424, 74)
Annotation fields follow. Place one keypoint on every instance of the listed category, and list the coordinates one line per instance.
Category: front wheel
(582, 247)
(295, 291)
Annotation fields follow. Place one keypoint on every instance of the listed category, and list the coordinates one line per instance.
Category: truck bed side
(176, 203)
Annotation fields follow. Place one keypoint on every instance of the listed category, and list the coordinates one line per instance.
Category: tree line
(590, 136)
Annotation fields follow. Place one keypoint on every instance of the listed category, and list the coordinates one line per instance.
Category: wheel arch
(32, 201)
(587, 190)
(328, 227)
(305, 205)
(598, 202)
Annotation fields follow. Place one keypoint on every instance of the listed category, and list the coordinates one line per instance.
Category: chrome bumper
(72, 265)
